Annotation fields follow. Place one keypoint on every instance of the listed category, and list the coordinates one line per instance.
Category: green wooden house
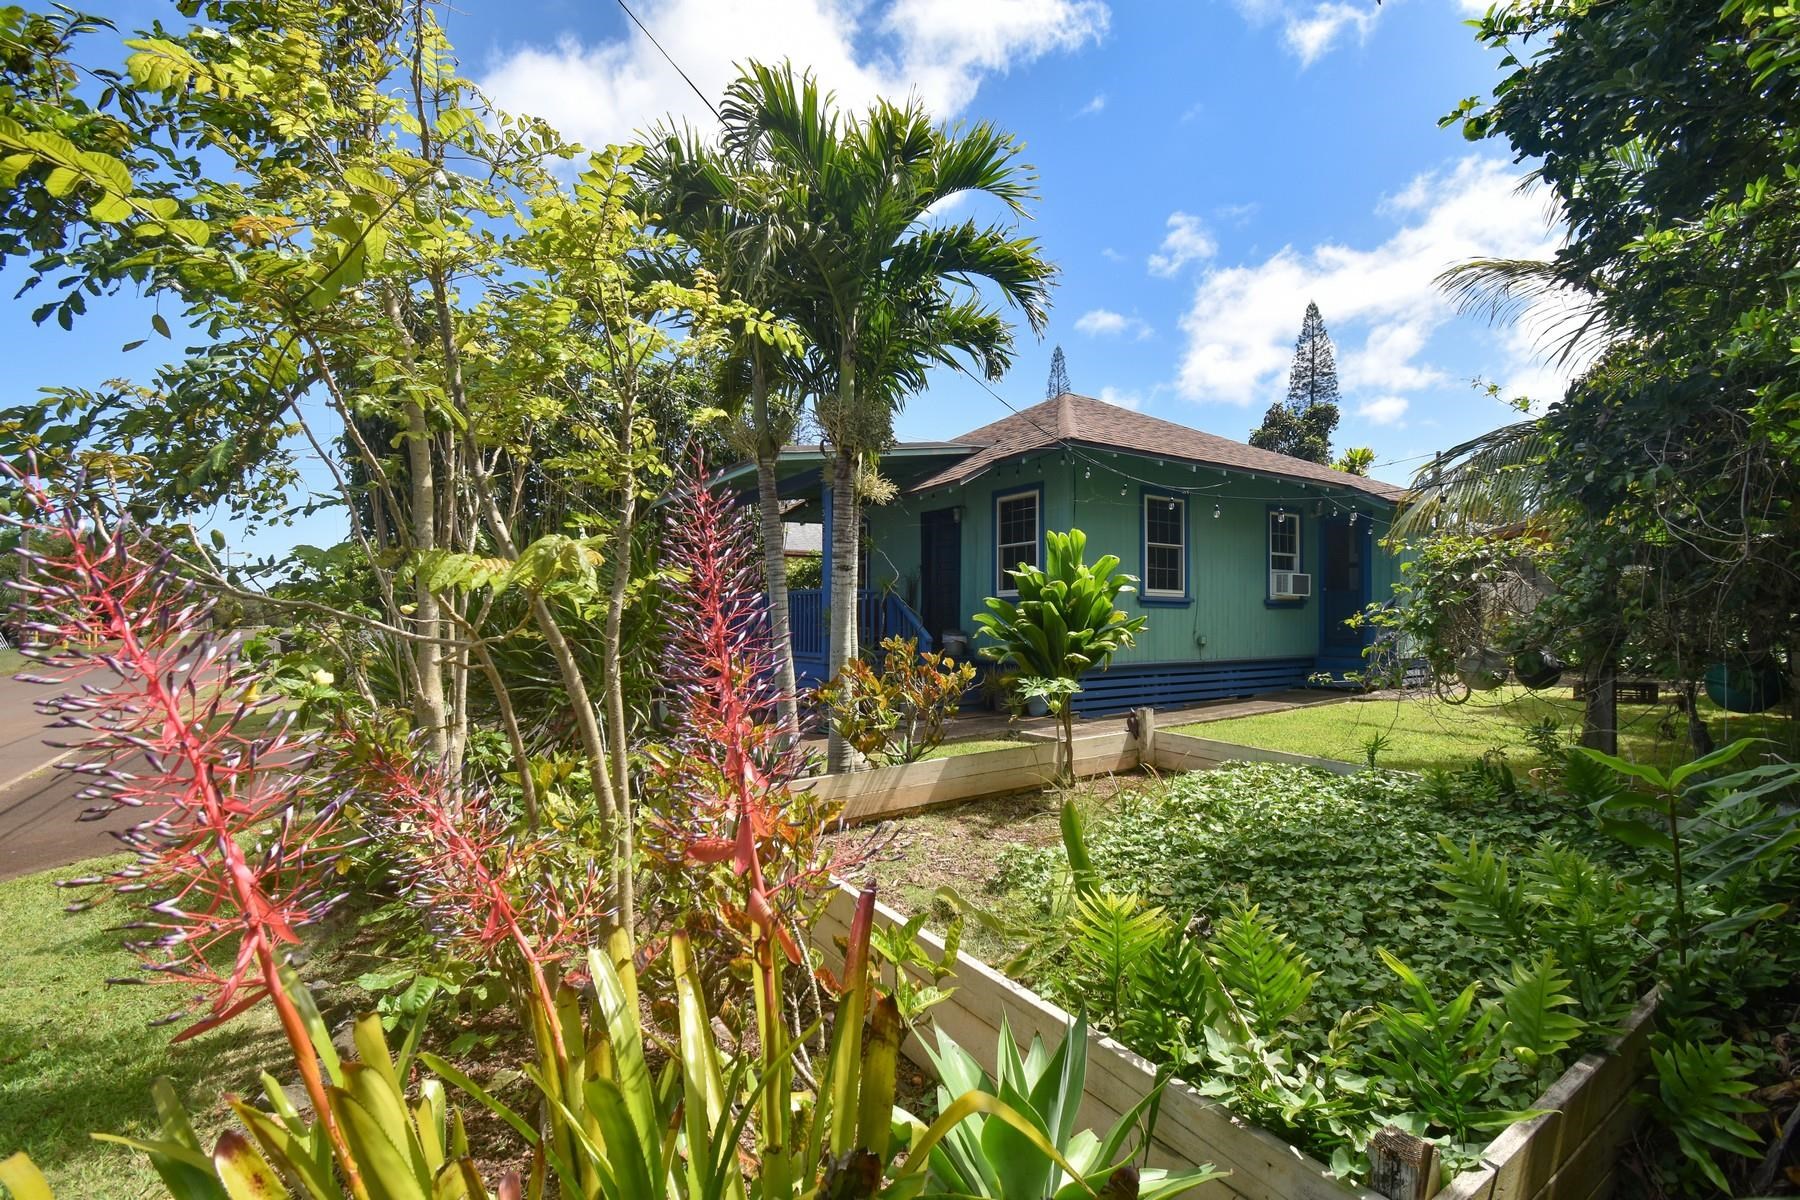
(1249, 562)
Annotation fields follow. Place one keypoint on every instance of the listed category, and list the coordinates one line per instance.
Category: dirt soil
(963, 846)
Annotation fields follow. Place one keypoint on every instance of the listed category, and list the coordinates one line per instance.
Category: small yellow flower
(323, 678)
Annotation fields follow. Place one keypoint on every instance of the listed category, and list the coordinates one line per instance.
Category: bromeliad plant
(234, 853)
(1065, 622)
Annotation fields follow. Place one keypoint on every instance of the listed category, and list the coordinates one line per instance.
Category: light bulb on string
(1217, 513)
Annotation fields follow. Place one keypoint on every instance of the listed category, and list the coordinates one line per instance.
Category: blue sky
(1206, 169)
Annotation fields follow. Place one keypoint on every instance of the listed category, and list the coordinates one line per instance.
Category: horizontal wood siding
(1175, 684)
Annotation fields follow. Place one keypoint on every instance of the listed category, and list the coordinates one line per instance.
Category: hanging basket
(1745, 687)
(1536, 669)
(1481, 669)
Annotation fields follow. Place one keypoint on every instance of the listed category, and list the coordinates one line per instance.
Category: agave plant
(1065, 622)
(1045, 1086)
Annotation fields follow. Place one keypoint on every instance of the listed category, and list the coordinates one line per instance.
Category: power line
(667, 57)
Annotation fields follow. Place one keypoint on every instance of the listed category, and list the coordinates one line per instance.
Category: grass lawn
(972, 746)
(11, 661)
(1425, 732)
(77, 1055)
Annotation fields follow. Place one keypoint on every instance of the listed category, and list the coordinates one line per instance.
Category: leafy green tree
(881, 291)
(1065, 623)
(1665, 477)
(1356, 460)
(1302, 425)
(383, 271)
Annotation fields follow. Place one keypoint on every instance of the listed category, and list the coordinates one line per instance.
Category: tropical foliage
(899, 714)
(1065, 622)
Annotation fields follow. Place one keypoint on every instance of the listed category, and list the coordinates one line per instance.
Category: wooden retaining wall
(1190, 1131)
(1570, 1153)
(1185, 752)
(889, 791)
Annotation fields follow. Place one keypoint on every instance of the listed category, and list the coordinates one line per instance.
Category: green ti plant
(1065, 622)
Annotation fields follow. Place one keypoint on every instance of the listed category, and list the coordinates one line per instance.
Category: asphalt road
(38, 829)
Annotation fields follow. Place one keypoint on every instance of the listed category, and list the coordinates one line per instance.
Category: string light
(1217, 512)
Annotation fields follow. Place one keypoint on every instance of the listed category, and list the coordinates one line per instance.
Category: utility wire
(667, 57)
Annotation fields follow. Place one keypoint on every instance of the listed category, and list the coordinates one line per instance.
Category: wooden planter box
(890, 791)
(1568, 1154)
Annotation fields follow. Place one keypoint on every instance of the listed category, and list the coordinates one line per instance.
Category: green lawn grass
(971, 746)
(11, 661)
(78, 1056)
(1426, 732)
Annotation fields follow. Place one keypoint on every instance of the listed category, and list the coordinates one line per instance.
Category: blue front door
(1344, 589)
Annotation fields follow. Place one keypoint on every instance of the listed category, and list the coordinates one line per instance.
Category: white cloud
(1111, 255)
(1113, 395)
(1186, 241)
(1311, 32)
(1311, 36)
(1104, 322)
(1381, 304)
(940, 50)
(1094, 106)
(1383, 410)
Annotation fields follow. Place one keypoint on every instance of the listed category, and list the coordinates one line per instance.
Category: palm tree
(727, 209)
(880, 291)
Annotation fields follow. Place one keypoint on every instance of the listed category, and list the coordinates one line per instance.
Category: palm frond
(1486, 483)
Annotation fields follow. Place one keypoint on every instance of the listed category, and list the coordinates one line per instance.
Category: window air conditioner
(1289, 585)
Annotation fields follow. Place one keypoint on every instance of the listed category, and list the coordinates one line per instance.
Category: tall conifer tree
(1302, 425)
(1059, 376)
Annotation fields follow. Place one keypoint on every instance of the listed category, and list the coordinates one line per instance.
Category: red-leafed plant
(722, 794)
(233, 854)
(503, 898)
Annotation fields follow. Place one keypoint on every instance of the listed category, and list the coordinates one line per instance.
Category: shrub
(900, 714)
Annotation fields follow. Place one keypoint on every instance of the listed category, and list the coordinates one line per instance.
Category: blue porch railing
(878, 615)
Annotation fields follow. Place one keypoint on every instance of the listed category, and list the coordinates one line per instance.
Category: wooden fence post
(1403, 1167)
(1146, 736)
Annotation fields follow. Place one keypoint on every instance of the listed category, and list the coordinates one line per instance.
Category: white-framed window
(1165, 546)
(1284, 541)
(1016, 536)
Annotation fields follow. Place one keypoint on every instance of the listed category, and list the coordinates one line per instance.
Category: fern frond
(1268, 976)
(1532, 1006)
(1484, 899)
(1700, 1095)
(1111, 938)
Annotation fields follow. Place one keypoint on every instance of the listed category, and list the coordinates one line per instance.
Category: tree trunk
(1600, 713)
(1065, 772)
(615, 682)
(768, 498)
(842, 610)
(428, 701)
(1699, 736)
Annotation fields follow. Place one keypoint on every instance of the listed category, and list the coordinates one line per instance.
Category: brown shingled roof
(1085, 421)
